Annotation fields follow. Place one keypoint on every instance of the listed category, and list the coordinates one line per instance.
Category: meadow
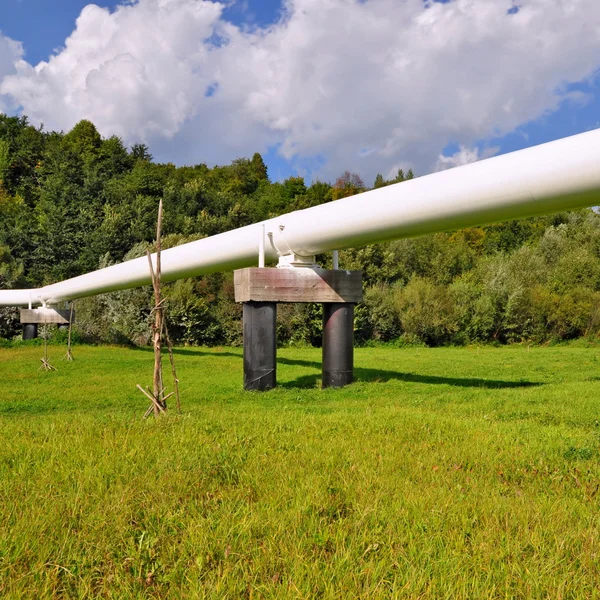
(441, 473)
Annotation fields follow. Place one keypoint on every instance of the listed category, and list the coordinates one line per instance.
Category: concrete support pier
(338, 344)
(30, 331)
(261, 289)
(260, 345)
(31, 318)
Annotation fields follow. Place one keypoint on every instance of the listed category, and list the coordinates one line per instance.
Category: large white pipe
(552, 177)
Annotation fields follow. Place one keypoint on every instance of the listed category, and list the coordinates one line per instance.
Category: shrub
(381, 320)
(426, 311)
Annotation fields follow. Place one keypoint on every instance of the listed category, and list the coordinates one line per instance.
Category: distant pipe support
(336, 260)
(338, 344)
(261, 248)
(260, 345)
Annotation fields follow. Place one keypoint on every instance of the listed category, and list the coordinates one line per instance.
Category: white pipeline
(552, 177)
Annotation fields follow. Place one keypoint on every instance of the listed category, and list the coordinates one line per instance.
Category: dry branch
(69, 355)
(173, 370)
(159, 405)
(159, 328)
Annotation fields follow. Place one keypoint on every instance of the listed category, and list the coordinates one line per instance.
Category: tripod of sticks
(46, 366)
(157, 396)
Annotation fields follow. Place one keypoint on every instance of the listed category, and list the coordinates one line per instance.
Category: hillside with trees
(73, 202)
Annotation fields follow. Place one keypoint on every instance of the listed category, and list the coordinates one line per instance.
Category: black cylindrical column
(260, 345)
(338, 344)
(30, 331)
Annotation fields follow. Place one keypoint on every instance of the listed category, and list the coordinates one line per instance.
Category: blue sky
(42, 26)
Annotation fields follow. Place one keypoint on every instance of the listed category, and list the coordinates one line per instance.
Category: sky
(316, 86)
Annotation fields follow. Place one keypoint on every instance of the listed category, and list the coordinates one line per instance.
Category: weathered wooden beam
(297, 285)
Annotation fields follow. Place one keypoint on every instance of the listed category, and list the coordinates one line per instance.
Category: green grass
(446, 473)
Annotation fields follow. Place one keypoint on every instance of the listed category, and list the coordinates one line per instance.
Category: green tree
(379, 181)
(141, 152)
(258, 167)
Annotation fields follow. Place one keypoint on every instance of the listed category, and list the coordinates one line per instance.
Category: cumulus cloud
(464, 156)
(362, 85)
(11, 53)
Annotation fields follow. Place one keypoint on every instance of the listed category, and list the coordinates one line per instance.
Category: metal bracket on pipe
(295, 261)
(291, 259)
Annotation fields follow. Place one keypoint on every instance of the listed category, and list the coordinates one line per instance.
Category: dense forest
(73, 202)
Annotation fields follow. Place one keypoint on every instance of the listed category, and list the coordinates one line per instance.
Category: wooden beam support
(297, 285)
(46, 316)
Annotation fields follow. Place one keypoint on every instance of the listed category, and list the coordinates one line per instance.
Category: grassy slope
(441, 474)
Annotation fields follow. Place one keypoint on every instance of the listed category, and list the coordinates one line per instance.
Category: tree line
(73, 202)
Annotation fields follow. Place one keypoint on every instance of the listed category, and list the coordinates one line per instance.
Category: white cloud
(11, 53)
(367, 85)
(463, 156)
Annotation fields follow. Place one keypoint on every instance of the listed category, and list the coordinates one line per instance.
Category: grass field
(442, 473)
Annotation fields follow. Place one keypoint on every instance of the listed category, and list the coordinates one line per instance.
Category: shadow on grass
(381, 376)
(190, 351)
(363, 374)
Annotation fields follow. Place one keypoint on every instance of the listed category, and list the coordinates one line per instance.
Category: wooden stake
(159, 328)
(158, 317)
(156, 405)
(173, 370)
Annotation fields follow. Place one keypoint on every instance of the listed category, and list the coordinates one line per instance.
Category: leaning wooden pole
(158, 320)
(69, 355)
(159, 329)
(173, 369)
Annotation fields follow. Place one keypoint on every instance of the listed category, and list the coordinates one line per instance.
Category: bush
(379, 318)
(426, 311)
(568, 316)
(300, 324)
(10, 323)
(576, 268)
